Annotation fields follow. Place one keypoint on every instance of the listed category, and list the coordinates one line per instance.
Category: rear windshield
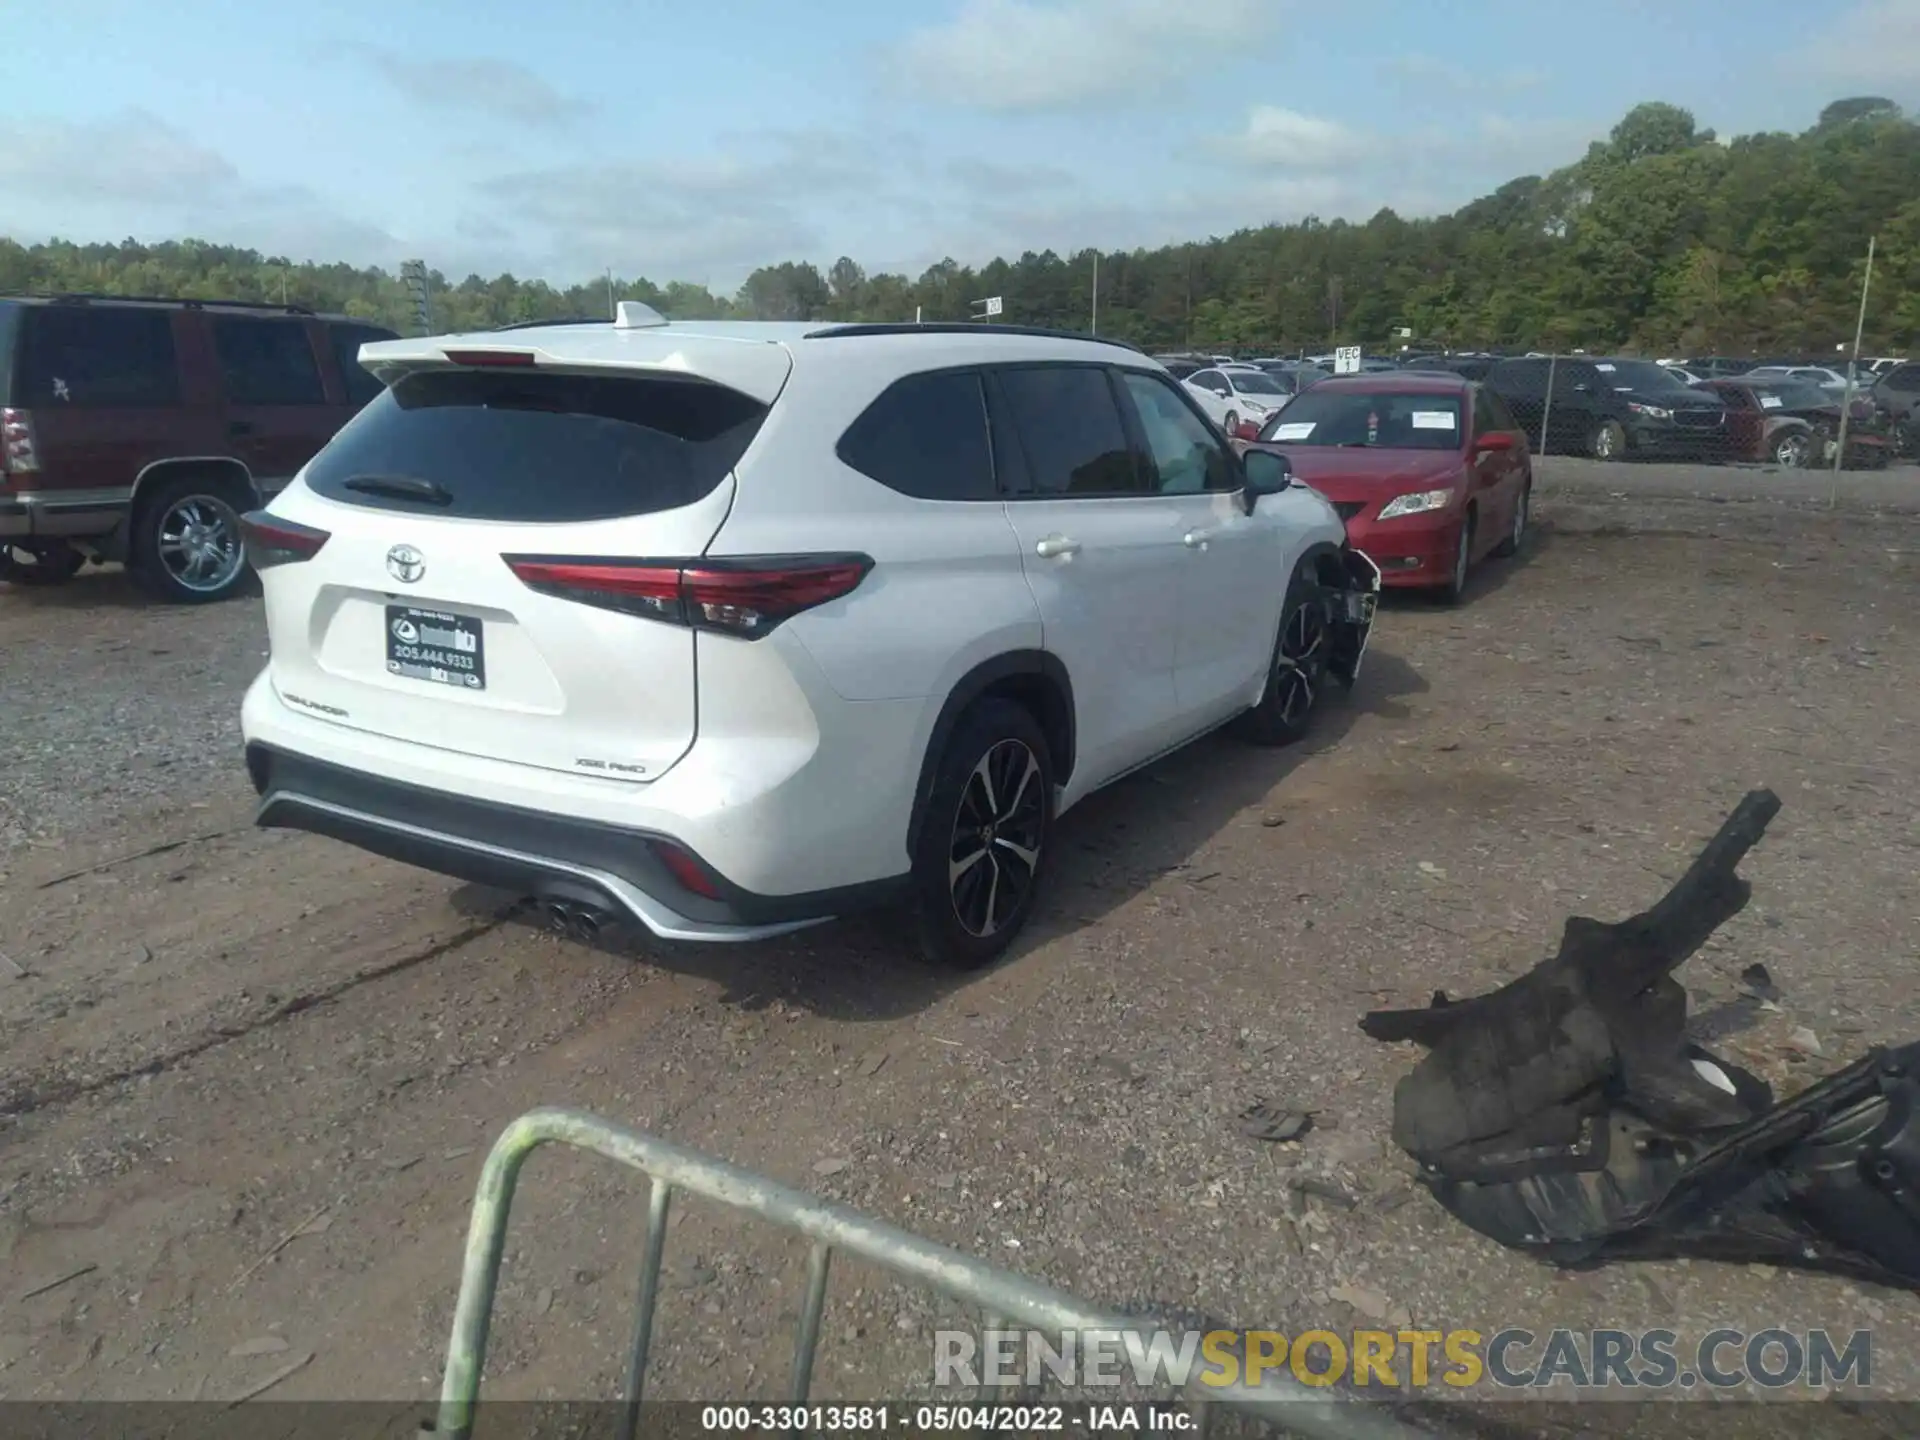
(1355, 417)
(499, 445)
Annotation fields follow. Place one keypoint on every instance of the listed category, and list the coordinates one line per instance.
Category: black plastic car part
(1568, 1114)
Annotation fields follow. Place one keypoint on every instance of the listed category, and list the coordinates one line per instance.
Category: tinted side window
(1519, 377)
(1905, 378)
(347, 340)
(266, 362)
(1186, 458)
(926, 436)
(97, 357)
(1070, 428)
(1568, 378)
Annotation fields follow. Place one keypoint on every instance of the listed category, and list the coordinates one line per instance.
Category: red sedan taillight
(745, 597)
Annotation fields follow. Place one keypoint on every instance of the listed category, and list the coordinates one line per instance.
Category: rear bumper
(58, 515)
(532, 853)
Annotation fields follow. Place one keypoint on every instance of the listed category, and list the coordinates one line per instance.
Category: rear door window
(97, 357)
(926, 436)
(266, 362)
(496, 445)
(347, 340)
(1905, 379)
(1070, 429)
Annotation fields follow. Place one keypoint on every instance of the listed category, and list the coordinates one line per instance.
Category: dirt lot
(206, 1046)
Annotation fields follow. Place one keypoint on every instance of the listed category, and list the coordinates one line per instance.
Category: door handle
(1196, 539)
(1056, 546)
(240, 427)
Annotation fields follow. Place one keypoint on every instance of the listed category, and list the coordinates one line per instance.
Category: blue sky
(690, 141)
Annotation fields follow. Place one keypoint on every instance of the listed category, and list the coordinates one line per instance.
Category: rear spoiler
(756, 370)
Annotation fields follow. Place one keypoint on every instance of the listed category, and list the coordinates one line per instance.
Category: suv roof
(753, 356)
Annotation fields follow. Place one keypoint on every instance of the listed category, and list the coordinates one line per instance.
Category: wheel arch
(1035, 679)
(1326, 562)
(159, 472)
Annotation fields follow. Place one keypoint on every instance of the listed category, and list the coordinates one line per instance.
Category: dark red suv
(141, 430)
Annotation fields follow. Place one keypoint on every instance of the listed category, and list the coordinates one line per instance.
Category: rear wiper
(400, 487)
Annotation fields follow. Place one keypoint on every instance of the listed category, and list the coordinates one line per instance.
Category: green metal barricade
(1001, 1297)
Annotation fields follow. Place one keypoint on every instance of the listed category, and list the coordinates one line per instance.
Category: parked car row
(1614, 408)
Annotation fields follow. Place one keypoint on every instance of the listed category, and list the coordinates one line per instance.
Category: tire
(1233, 422)
(1608, 441)
(185, 545)
(41, 565)
(1298, 671)
(1455, 588)
(1792, 449)
(1517, 534)
(977, 838)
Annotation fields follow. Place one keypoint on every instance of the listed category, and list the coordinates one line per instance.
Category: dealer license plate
(435, 646)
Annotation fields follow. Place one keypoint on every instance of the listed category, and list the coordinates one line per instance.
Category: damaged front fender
(1354, 586)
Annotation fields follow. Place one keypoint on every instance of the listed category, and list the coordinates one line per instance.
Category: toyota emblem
(406, 564)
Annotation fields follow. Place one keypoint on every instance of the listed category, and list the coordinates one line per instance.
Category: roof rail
(964, 327)
(82, 297)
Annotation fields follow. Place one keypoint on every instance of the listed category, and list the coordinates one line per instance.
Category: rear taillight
(743, 597)
(17, 455)
(685, 869)
(272, 541)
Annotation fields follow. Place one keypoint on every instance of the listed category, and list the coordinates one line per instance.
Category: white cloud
(1490, 149)
(1032, 55)
(475, 85)
(1286, 139)
(133, 173)
(1877, 42)
(705, 217)
(132, 157)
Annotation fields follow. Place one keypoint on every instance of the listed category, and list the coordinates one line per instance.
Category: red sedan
(1429, 471)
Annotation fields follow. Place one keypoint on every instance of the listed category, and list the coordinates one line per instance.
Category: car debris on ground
(1569, 1115)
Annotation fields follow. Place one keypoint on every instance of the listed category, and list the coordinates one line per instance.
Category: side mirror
(1267, 474)
(1491, 441)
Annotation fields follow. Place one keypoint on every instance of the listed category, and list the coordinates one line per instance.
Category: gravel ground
(215, 1042)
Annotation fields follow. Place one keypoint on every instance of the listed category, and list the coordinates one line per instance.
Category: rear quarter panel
(948, 589)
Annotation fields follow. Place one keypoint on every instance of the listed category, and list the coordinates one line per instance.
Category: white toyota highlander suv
(729, 628)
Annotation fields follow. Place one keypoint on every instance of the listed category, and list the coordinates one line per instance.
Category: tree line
(1661, 238)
